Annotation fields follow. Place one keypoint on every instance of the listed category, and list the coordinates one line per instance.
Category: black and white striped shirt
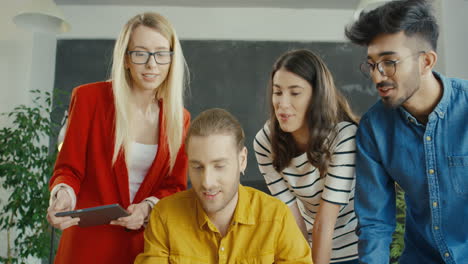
(300, 183)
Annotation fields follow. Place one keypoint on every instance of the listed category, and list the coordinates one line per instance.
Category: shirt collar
(441, 107)
(202, 218)
(243, 214)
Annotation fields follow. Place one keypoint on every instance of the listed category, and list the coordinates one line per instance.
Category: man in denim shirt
(416, 136)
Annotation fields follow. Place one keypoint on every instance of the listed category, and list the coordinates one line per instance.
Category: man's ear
(429, 60)
(243, 159)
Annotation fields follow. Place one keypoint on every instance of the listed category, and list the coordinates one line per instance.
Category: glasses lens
(366, 69)
(387, 68)
(163, 57)
(140, 57)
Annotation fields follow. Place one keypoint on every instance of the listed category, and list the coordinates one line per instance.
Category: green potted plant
(398, 243)
(26, 163)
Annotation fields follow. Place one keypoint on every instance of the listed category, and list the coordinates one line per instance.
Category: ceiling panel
(329, 4)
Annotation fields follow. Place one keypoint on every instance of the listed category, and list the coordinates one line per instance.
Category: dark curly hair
(413, 17)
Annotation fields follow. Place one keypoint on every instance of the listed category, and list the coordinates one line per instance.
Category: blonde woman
(124, 144)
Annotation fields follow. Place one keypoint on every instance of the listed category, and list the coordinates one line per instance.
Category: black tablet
(99, 215)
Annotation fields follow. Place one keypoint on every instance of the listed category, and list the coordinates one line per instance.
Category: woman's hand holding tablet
(138, 213)
(62, 202)
(93, 216)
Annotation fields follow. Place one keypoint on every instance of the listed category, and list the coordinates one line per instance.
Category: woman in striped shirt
(306, 153)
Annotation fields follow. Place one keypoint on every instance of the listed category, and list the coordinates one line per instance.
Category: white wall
(455, 36)
(440, 65)
(216, 23)
(27, 61)
(15, 58)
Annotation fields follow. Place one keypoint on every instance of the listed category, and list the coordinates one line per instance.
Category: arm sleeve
(71, 160)
(291, 244)
(152, 201)
(375, 200)
(177, 179)
(156, 241)
(276, 183)
(340, 178)
(68, 189)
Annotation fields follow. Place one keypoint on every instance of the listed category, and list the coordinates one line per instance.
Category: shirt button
(434, 204)
(222, 248)
(428, 138)
(447, 254)
(431, 171)
(411, 120)
(436, 227)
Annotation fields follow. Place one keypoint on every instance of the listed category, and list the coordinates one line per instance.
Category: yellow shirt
(262, 230)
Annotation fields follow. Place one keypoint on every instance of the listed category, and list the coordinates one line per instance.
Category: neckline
(145, 145)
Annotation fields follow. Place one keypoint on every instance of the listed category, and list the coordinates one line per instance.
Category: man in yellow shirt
(219, 220)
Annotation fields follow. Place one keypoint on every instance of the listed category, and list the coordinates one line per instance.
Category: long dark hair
(327, 107)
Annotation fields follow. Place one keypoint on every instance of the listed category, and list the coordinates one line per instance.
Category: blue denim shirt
(430, 163)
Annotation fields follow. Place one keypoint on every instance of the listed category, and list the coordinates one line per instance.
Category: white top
(301, 183)
(140, 158)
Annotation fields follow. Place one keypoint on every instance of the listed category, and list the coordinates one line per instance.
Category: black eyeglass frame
(150, 54)
(368, 68)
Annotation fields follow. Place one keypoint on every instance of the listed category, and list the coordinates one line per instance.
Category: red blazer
(85, 164)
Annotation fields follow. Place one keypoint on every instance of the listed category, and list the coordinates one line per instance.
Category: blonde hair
(171, 90)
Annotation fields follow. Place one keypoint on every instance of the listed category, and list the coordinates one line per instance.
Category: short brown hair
(216, 121)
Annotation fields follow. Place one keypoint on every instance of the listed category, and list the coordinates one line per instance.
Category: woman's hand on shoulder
(138, 214)
(62, 203)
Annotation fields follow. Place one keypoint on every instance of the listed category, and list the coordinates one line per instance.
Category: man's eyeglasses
(386, 67)
(142, 57)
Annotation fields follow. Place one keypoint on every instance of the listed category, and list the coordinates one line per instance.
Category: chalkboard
(228, 74)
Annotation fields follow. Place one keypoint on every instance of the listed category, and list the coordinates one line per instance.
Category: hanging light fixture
(42, 16)
(368, 5)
